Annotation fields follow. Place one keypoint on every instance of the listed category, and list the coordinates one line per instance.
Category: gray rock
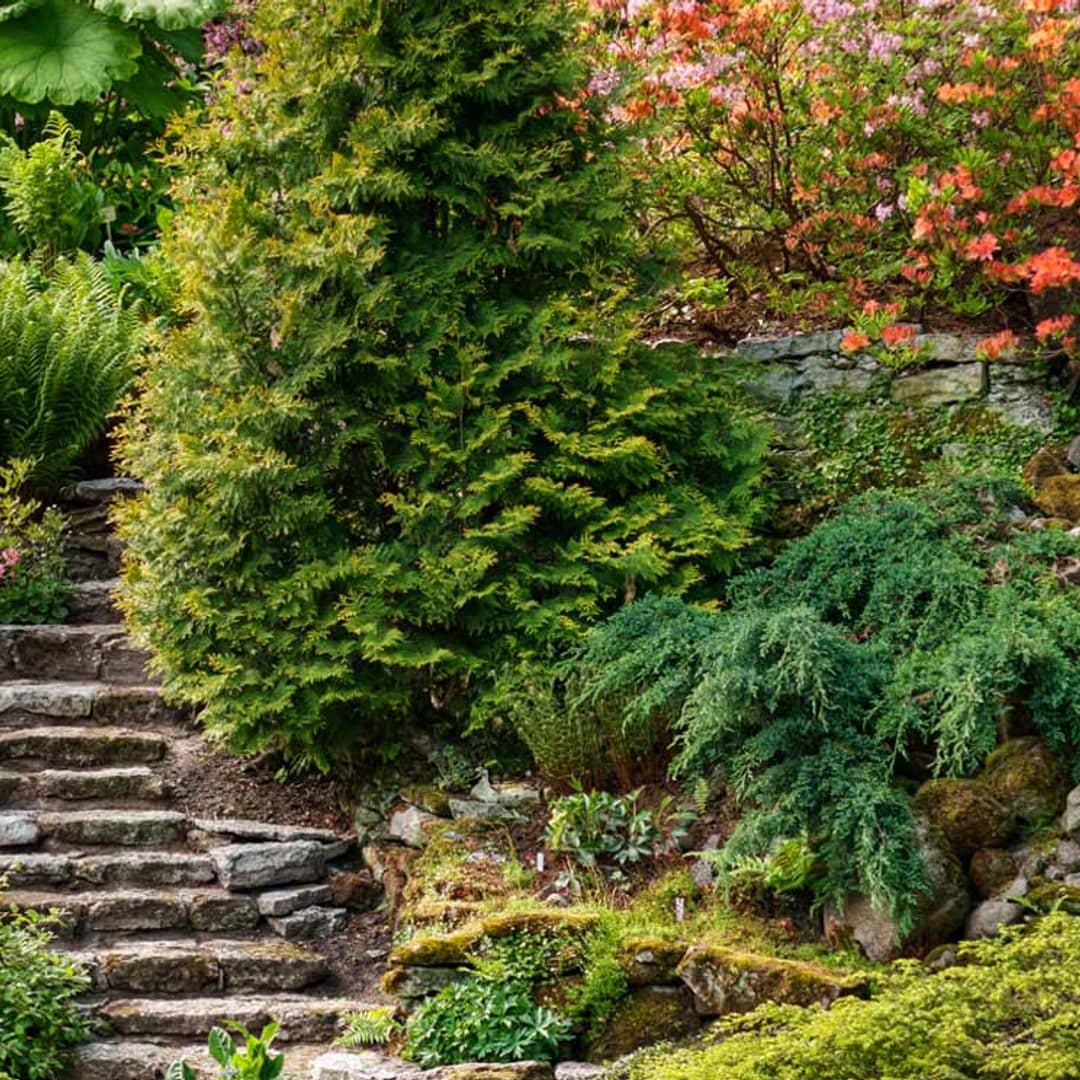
(409, 825)
(132, 782)
(1072, 455)
(18, 829)
(990, 916)
(578, 1070)
(764, 350)
(120, 1061)
(366, 1065)
(132, 911)
(37, 869)
(948, 348)
(1024, 406)
(1070, 821)
(1067, 856)
(312, 922)
(215, 912)
(517, 796)
(120, 827)
(81, 747)
(473, 808)
(286, 901)
(256, 866)
(778, 386)
(145, 868)
(95, 491)
(702, 874)
(482, 1070)
(60, 700)
(941, 386)
(262, 831)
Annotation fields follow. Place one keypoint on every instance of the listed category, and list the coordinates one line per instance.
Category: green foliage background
(406, 429)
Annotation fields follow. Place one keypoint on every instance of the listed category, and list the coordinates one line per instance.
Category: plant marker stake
(539, 862)
(680, 909)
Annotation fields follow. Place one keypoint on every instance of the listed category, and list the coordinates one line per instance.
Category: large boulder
(1028, 778)
(991, 871)
(726, 980)
(991, 915)
(941, 913)
(965, 813)
(650, 1014)
(1070, 821)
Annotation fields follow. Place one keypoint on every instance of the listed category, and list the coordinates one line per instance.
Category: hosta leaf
(168, 14)
(12, 9)
(64, 52)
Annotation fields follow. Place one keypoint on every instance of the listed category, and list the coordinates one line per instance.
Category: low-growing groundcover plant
(1010, 1010)
(250, 1058)
(39, 1021)
(484, 1020)
(406, 430)
(34, 585)
(918, 621)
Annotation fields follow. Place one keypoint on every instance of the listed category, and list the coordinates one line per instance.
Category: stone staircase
(182, 922)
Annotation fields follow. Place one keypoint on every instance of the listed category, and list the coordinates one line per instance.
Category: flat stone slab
(133, 782)
(261, 831)
(91, 602)
(70, 652)
(18, 829)
(23, 870)
(78, 746)
(366, 1065)
(54, 699)
(941, 386)
(302, 1019)
(145, 868)
(130, 1060)
(97, 491)
(121, 827)
(257, 866)
(286, 901)
(183, 967)
(312, 922)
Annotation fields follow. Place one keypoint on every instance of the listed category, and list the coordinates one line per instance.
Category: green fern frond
(371, 1027)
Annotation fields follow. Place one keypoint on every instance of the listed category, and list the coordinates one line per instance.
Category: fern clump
(68, 341)
(909, 627)
(406, 430)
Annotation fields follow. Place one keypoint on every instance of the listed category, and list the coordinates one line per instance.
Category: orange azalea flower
(982, 248)
(1053, 268)
(853, 341)
(1055, 327)
(896, 335)
(992, 347)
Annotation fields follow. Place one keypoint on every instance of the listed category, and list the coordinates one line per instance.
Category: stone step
(91, 603)
(212, 832)
(123, 911)
(91, 555)
(81, 746)
(88, 702)
(211, 967)
(136, 870)
(71, 652)
(244, 867)
(302, 1019)
(148, 1060)
(136, 783)
(103, 491)
(115, 828)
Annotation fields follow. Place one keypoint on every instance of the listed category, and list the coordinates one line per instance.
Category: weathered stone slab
(105, 490)
(765, 350)
(286, 901)
(263, 832)
(18, 829)
(53, 699)
(82, 747)
(37, 869)
(120, 1061)
(90, 603)
(218, 912)
(410, 825)
(147, 868)
(135, 782)
(256, 866)
(312, 922)
(366, 1065)
(133, 911)
(519, 1070)
(121, 827)
(941, 386)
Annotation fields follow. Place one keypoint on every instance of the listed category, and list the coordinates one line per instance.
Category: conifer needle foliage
(406, 429)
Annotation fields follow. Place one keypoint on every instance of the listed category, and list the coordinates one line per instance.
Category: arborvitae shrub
(406, 430)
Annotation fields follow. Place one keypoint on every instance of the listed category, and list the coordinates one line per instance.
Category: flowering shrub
(33, 584)
(828, 148)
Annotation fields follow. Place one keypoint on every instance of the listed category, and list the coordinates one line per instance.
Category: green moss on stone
(648, 1015)
(1028, 778)
(965, 813)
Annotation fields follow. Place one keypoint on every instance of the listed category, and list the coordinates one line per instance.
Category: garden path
(182, 921)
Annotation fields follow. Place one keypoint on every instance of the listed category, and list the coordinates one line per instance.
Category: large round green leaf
(168, 14)
(12, 9)
(65, 52)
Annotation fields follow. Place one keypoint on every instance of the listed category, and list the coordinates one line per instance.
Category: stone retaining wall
(782, 371)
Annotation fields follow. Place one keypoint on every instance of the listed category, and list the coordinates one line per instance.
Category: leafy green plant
(39, 1020)
(70, 51)
(33, 573)
(251, 1060)
(597, 829)
(67, 348)
(1008, 1011)
(48, 191)
(372, 1027)
(791, 866)
(480, 1020)
(407, 430)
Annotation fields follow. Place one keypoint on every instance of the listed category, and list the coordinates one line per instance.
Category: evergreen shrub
(1010, 1010)
(406, 430)
(900, 636)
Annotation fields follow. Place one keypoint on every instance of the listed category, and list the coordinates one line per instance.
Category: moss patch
(1026, 776)
(965, 813)
(649, 1015)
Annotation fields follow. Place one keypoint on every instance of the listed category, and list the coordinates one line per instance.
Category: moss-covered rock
(652, 960)
(463, 860)
(1050, 896)
(991, 871)
(1045, 465)
(725, 980)
(650, 1014)
(412, 984)
(965, 813)
(427, 797)
(1059, 497)
(1028, 778)
(519, 1070)
(436, 950)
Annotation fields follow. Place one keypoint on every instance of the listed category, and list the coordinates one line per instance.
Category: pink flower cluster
(9, 559)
